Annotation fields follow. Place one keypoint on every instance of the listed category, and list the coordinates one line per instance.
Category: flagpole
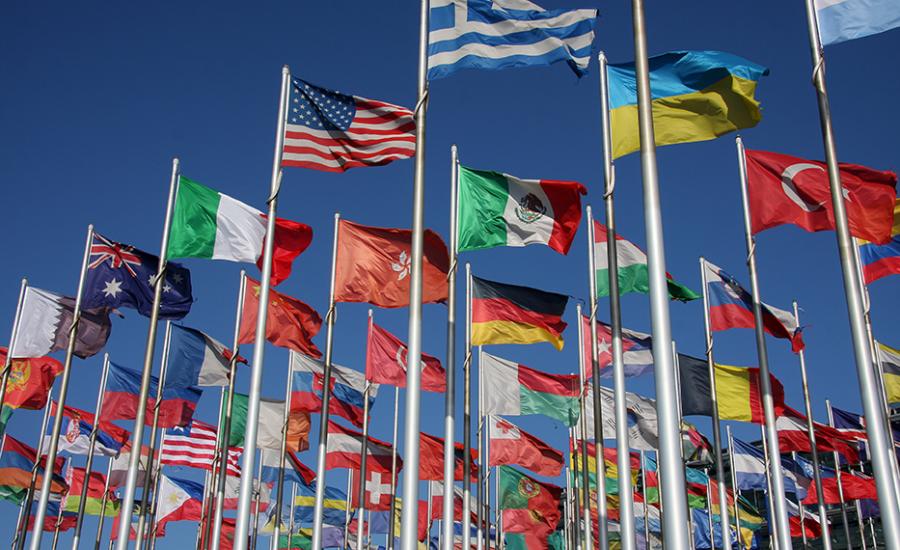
(498, 521)
(450, 393)
(737, 494)
(38, 531)
(21, 527)
(837, 473)
(347, 508)
(646, 504)
(103, 502)
(773, 542)
(574, 464)
(364, 451)
(709, 519)
(479, 433)
(153, 475)
(12, 342)
(90, 457)
(568, 531)
(800, 509)
(285, 418)
(467, 418)
(392, 513)
(290, 520)
(56, 527)
(585, 479)
(487, 479)
(716, 424)
(256, 496)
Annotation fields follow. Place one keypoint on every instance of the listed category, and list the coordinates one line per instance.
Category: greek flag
(498, 34)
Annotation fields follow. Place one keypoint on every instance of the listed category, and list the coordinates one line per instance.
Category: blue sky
(97, 98)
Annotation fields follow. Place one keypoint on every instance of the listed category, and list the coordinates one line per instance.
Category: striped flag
(331, 131)
(195, 446)
(345, 446)
(636, 350)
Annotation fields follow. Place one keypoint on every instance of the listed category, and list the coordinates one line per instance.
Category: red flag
(290, 323)
(96, 485)
(229, 526)
(437, 503)
(785, 189)
(291, 239)
(856, 487)
(793, 436)
(119, 434)
(345, 446)
(373, 265)
(511, 445)
(386, 362)
(29, 381)
(431, 459)
(378, 491)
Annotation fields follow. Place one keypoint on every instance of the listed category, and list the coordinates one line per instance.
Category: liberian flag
(632, 267)
(511, 445)
(637, 351)
(347, 389)
(513, 389)
(345, 446)
(501, 210)
(122, 398)
(196, 359)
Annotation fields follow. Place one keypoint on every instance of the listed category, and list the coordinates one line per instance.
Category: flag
(53, 516)
(437, 502)
(119, 468)
(632, 268)
(209, 224)
(750, 471)
(120, 275)
(730, 306)
(513, 389)
(841, 20)
(854, 486)
(331, 131)
(96, 487)
(386, 358)
(512, 314)
(196, 359)
(882, 260)
(294, 470)
(850, 424)
(194, 446)
(178, 500)
(643, 428)
(347, 389)
(335, 504)
(345, 446)
(111, 439)
(501, 210)
(890, 366)
(791, 190)
(373, 265)
(121, 399)
(378, 496)
(637, 350)
(697, 96)
(29, 381)
(794, 436)
(45, 323)
(511, 445)
(527, 505)
(494, 34)
(17, 460)
(233, 492)
(271, 420)
(290, 323)
(431, 459)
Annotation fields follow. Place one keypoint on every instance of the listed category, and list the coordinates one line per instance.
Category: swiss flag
(785, 189)
(386, 362)
(378, 491)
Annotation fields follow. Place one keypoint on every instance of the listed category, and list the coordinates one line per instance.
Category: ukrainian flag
(697, 96)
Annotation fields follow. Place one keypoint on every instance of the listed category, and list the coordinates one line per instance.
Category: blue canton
(320, 109)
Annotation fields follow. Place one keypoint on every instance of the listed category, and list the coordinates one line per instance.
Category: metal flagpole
(364, 451)
(823, 515)
(709, 519)
(487, 484)
(773, 541)
(498, 521)
(673, 495)
(837, 473)
(319, 509)
(567, 532)
(347, 509)
(202, 541)
(737, 493)
(479, 433)
(716, 426)
(602, 514)
(876, 429)
(38, 531)
(153, 477)
(56, 527)
(21, 526)
(4, 381)
(259, 343)
(782, 527)
(90, 457)
(256, 496)
(646, 504)
(585, 479)
(575, 505)
(626, 498)
(290, 520)
(799, 504)
(467, 419)
(428, 512)
(450, 394)
(103, 501)
(285, 418)
(138, 436)
(392, 513)
(207, 507)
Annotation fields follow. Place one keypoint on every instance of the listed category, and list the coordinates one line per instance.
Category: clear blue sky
(97, 98)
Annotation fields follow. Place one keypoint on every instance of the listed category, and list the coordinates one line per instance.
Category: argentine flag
(498, 34)
(842, 20)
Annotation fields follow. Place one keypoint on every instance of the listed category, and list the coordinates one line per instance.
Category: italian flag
(632, 264)
(513, 390)
(209, 224)
(501, 210)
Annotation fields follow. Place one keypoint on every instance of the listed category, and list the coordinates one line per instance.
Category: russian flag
(122, 394)
(347, 389)
(16, 462)
(196, 359)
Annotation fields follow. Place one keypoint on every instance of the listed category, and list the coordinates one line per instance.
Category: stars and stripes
(195, 446)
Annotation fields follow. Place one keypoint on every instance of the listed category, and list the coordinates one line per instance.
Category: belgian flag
(737, 391)
(511, 314)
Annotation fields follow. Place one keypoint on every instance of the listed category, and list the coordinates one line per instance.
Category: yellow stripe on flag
(511, 332)
(733, 393)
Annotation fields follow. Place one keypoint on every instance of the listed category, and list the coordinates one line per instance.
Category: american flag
(332, 131)
(195, 446)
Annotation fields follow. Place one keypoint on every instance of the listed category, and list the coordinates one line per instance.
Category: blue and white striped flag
(842, 20)
(498, 34)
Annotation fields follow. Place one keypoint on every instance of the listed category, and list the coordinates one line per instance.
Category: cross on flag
(378, 491)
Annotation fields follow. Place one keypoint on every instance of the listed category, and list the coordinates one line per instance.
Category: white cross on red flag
(378, 491)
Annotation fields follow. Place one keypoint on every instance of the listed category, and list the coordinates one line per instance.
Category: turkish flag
(378, 491)
(289, 322)
(431, 460)
(373, 265)
(291, 239)
(386, 362)
(29, 381)
(785, 189)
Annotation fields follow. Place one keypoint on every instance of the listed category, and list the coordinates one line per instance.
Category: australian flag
(119, 275)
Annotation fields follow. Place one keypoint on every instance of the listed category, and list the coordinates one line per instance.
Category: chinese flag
(289, 324)
(431, 459)
(29, 381)
(373, 265)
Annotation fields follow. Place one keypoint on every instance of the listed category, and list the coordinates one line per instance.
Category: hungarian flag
(528, 505)
(431, 459)
(501, 210)
(512, 389)
(632, 268)
(271, 419)
(96, 487)
(386, 362)
(511, 445)
(378, 491)
(29, 381)
(209, 224)
(290, 323)
(637, 350)
(785, 189)
(512, 314)
(345, 447)
(793, 436)
(373, 265)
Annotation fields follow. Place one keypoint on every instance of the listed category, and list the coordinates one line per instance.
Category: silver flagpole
(450, 363)
(364, 451)
(646, 504)
(38, 531)
(256, 495)
(428, 512)
(90, 457)
(487, 479)
(242, 528)
(709, 519)
(392, 513)
(780, 513)
(626, 498)
(103, 501)
(21, 526)
(716, 425)
(876, 429)
(576, 477)
(823, 514)
(837, 473)
(56, 529)
(12, 342)
(291, 519)
(347, 509)
(585, 478)
(799, 504)
(409, 514)
(773, 541)
(467, 419)
(138, 435)
(207, 508)
(673, 496)
(285, 418)
(479, 433)
(737, 493)
(319, 509)
(567, 507)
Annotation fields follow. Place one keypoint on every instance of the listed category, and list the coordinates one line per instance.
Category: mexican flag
(632, 264)
(501, 210)
(208, 224)
(512, 389)
(528, 505)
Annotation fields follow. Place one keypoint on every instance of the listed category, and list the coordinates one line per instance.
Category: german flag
(511, 314)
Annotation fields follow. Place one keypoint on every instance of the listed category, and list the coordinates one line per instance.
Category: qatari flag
(386, 362)
(46, 320)
(345, 446)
